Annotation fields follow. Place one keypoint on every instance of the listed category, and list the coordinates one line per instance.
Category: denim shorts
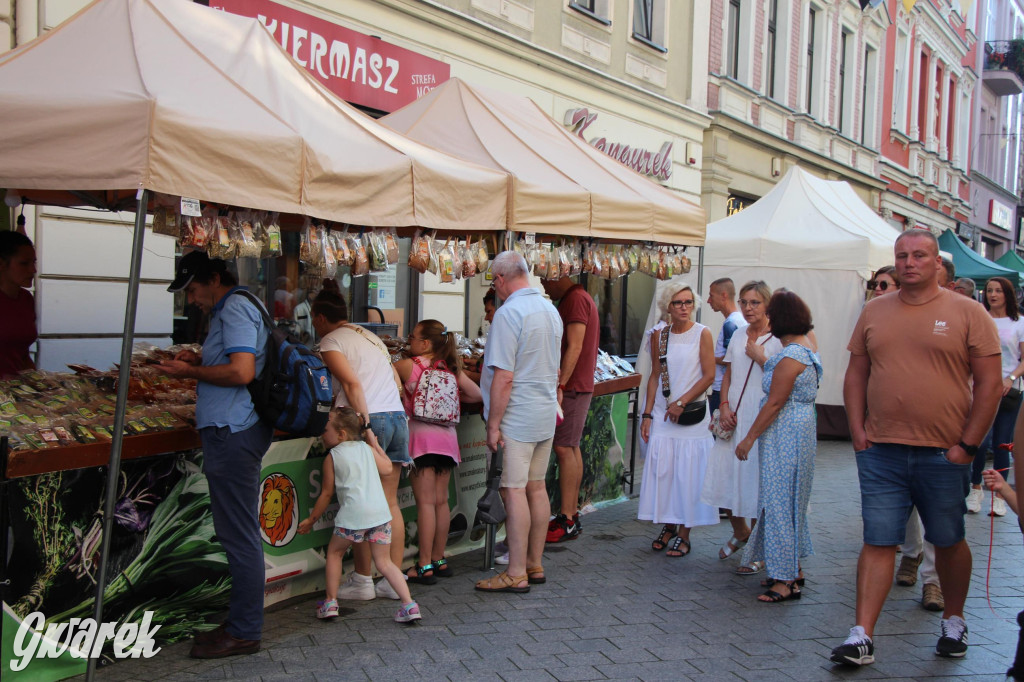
(392, 432)
(894, 478)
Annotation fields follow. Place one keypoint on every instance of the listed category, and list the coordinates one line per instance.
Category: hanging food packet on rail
(330, 259)
(446, 263)
(432, 264)
(220, 244)
(391, 242)
(378, 251)
(360, 260)
(419, 253)
(273, 248)
(246, 245)
(468, 260)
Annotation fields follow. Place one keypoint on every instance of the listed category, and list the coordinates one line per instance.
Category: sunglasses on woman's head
(881, 286)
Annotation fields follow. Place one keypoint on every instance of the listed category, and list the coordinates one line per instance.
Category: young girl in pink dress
(434, 448)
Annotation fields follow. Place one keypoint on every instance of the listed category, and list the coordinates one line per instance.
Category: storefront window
(623, 305)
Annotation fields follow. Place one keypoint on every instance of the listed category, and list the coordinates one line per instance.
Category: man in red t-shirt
(575, 389)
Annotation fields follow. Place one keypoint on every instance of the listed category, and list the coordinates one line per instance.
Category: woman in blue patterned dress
(786, 435)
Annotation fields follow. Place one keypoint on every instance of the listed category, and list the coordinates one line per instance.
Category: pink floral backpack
(436, 398)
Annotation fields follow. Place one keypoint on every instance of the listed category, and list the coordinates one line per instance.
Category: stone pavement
(612, 609)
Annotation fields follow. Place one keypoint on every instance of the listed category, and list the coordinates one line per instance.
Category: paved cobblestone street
(612, 609)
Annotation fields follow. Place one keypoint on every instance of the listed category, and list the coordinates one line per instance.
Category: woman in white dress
(732, 484)
(677, 454)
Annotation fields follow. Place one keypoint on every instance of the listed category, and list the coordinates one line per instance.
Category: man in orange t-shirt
(921, 391)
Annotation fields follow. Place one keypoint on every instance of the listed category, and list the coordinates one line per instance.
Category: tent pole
(114, 464)
(700, 275)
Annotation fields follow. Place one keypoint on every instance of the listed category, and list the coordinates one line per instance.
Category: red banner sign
(358, 68)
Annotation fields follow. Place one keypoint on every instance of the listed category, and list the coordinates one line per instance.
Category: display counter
(163, 533)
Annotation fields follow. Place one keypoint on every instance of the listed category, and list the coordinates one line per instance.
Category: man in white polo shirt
(519, 382)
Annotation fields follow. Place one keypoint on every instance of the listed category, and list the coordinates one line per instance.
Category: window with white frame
(732, 42)
(901, 82)
(810, 93)
(869, 99)
(778, 38)
(847, 78)
(649, 22)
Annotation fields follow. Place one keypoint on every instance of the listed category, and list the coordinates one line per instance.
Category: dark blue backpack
(293, 392)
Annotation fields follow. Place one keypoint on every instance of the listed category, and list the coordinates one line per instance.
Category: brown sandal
(503, 582)
(531, 572)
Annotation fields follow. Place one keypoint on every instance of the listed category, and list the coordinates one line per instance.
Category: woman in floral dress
(786, 434)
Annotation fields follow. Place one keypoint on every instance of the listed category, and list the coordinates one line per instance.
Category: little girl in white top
(352, 469)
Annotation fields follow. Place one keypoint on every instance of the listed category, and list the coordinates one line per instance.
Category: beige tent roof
(178, 98)
(561, 184)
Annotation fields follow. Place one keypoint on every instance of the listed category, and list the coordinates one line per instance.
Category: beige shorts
(524, 462)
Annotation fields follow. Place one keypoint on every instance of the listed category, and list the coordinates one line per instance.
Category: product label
(190, 207)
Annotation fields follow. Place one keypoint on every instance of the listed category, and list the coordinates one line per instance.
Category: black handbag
(693, 413)
(1010, 401)
(490, 508)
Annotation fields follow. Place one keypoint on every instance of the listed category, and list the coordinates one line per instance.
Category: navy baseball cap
(191, 264)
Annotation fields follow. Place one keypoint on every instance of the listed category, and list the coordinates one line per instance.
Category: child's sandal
(420, 578)
(442, 568)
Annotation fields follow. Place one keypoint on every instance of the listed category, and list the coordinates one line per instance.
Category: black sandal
(661, 542)
(674, 547)
(442, 568)
(420, 578)
(768, 582)
(775, 597)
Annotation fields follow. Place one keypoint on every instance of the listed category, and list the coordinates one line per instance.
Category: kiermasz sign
(358, 68)
(644, 161)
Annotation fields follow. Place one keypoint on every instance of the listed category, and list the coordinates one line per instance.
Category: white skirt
(730, 483)
(673, 478)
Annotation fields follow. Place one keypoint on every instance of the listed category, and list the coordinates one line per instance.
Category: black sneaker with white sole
(953, 642)
(857, 650)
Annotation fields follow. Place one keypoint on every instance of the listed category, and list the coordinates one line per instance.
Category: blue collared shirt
(525, 339)
(236, 326)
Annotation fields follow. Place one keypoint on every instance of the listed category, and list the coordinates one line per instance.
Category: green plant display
(53, 536)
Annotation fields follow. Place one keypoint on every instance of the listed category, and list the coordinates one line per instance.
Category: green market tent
(971, 264)
(1011, 260)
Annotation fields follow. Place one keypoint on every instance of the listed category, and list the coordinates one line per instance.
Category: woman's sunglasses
(881, 286)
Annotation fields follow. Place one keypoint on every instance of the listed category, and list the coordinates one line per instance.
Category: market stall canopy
(972, 264)
(817, 238)
(1011, 260)
(561, 185)
(175, 97)
(807, 222)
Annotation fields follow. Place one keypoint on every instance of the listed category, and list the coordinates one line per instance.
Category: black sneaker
(857, 650)
(953, 642)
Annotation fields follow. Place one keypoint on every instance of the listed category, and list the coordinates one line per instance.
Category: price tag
(530, 238)
(190, 207)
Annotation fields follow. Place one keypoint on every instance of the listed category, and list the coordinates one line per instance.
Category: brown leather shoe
(931, 598)
(224, 645)
(906, 575)
(209, 635)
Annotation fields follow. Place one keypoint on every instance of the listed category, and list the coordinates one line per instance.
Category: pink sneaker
(408, 613)
(327, 609)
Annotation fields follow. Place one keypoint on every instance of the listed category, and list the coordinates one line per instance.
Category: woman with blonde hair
(674, 424)
(732, 484)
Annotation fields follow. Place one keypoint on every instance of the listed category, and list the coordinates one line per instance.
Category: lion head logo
(279, 510)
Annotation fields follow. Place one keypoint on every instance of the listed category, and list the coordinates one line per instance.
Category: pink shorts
(378, 535)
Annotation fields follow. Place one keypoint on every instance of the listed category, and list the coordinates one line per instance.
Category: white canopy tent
(816, 238)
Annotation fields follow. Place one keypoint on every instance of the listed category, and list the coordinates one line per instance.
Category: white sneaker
(974, 500)
(999, 507)
(357, 587)
(502, 559)
(384, 590)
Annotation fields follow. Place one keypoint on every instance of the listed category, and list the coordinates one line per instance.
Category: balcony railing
(1004, 66)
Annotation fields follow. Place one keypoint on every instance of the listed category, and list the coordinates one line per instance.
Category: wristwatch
(971, 450)
(679, 403)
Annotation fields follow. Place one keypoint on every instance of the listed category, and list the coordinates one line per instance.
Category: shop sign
(644, 161)
(1000, 215)
(736, 203)
(358, 68)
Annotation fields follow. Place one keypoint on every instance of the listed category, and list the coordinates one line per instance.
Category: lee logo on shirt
(940, 327)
